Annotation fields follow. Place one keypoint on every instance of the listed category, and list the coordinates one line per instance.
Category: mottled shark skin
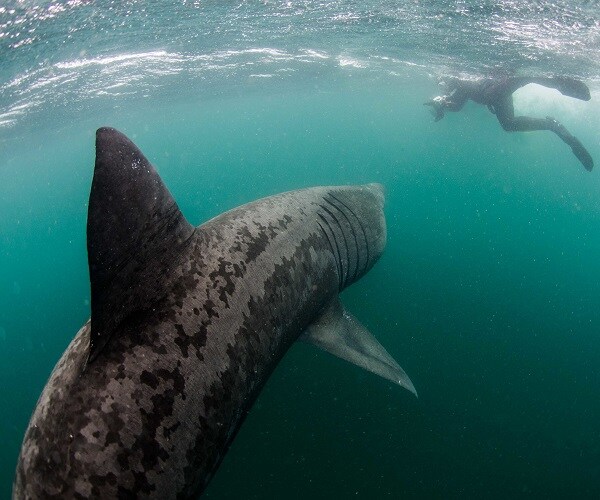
(187, 324)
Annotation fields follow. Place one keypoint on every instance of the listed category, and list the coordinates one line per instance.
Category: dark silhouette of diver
(496, 94)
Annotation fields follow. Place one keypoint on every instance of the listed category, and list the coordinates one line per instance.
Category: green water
(486, 294)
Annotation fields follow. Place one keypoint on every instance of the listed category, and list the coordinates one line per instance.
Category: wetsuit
(496, 94)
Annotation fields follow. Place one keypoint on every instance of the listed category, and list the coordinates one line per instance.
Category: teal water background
(487, 294)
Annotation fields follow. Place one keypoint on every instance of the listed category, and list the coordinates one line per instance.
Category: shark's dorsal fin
(135, 230)
(341, 334)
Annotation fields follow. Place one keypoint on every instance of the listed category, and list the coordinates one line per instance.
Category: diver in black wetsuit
(496, 94)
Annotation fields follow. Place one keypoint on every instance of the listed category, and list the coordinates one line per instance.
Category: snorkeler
(496, 94)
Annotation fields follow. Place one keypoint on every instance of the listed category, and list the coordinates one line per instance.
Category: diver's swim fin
(575, 144)
(572, 88)
(581, 153)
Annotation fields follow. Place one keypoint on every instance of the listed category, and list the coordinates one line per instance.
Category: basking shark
(187, 323)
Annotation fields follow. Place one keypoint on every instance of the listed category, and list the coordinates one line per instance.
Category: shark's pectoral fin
(341, 334)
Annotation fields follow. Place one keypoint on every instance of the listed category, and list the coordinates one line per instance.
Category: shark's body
(187, 324)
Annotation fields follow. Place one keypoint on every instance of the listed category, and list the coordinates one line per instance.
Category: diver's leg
(505, 113)
(523, 123)
(511, 123)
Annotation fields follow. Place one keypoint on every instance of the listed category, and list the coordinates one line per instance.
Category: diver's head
(437, 106)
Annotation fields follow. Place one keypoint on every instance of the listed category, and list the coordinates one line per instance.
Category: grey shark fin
(135, 231)
(341, 334)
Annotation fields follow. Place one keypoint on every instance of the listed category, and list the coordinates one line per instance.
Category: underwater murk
(486, 292)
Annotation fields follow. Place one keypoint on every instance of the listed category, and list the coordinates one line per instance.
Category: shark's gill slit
(347, 267)
(362, 228)
(336, 252)
(341, 210)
